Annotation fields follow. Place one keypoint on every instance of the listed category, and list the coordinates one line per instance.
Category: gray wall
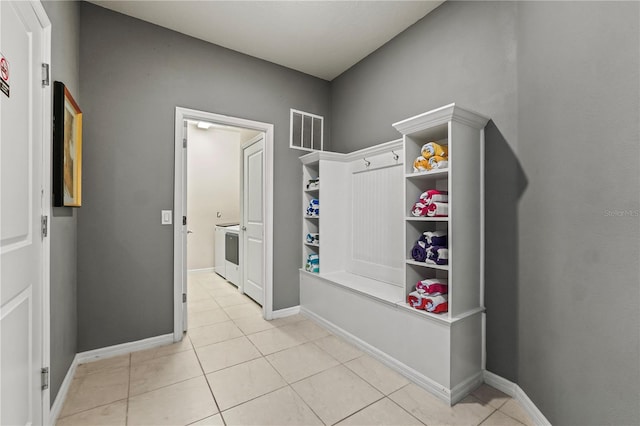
(560, 82)
(464, 53)
(578, 92)
(134, 74)
(64, 17)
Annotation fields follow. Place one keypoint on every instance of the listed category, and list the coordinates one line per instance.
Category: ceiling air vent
(306, 131)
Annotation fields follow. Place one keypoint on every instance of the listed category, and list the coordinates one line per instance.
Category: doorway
(256, 177)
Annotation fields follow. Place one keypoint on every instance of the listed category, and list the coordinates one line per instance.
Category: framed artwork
(67, 148)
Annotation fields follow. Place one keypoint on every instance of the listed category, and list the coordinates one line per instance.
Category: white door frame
(47, 142)
(179, 175)
(45, 207)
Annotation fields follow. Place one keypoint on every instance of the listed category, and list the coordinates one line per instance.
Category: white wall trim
(516, 392)
(286, 312)
(61, 397)
(184, 114)
(124, 348)
(201, 270)
(403, 369)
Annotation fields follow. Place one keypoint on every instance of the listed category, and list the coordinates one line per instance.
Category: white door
(23, 44)
(252, 261)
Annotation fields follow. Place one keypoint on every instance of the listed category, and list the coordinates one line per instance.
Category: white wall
(213, 185)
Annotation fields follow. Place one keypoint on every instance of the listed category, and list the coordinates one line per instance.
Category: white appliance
(227, 259)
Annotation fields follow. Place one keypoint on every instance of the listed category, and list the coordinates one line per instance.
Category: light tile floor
(234, 368)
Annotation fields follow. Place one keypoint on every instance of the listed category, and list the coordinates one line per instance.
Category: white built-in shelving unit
(463, 132)
(367, 232)
(310, 224)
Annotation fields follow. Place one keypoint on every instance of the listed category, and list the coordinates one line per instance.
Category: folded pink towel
(431, 303)
(437, 304)
(437, 209)
(431, 195)
(417, 300)
(419, 209)
(433, 285)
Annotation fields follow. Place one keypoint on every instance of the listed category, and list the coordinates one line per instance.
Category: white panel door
(252, 229)
(21, 248)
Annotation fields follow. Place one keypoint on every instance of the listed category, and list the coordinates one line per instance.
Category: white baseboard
(201, 270)
(286, 312)
(516, 392)
(125, 348)
(448, 396)
(56, 408)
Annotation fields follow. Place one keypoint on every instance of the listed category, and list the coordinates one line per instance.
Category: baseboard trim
(61, 397)
(125, 348)
(516, 392)
(201, 270)
(286, 312)
(448, 396)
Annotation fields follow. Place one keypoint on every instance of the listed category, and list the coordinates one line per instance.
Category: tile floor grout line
(401, 407)
(255, 397)
(208, 384)
(486, 418)
(307, 404)
(287, 384)
(357, 411)
(510, 416)
(163, 386)
(92, 408)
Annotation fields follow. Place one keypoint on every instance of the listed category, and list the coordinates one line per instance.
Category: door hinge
(45, 225)
(45, 75)
(184, 221)
(184, 143)
(45, 378)
(184, 297)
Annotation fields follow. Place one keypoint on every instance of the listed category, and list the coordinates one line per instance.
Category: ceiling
(321, 38)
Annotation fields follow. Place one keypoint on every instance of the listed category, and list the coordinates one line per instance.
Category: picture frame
(67, 148)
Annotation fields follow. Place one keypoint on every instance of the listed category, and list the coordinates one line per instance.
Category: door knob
(189, 231)
(244, 228)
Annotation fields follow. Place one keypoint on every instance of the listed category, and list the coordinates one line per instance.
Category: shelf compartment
(426, 219)
(312, 190)
(311, 244)
(429, 174)
(427, 265)
(444, 317)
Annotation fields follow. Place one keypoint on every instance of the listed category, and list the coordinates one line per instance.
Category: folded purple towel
(434, 238)
(437, 255)
(419, 253)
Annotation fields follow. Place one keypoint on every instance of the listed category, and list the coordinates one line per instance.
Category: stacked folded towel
(433, 285)
(313, 238)
(432, 203)
(313, 263)
(436, 303)
(432, 156)
(313, 183)
(314, 208)
(431, 247)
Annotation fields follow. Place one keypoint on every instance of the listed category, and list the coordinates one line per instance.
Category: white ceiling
(321, 38)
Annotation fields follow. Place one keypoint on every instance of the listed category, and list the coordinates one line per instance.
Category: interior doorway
(235, 214)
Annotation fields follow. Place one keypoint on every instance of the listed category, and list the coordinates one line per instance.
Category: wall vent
(306, 131)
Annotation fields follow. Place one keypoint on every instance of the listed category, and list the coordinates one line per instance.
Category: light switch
(167, 217)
